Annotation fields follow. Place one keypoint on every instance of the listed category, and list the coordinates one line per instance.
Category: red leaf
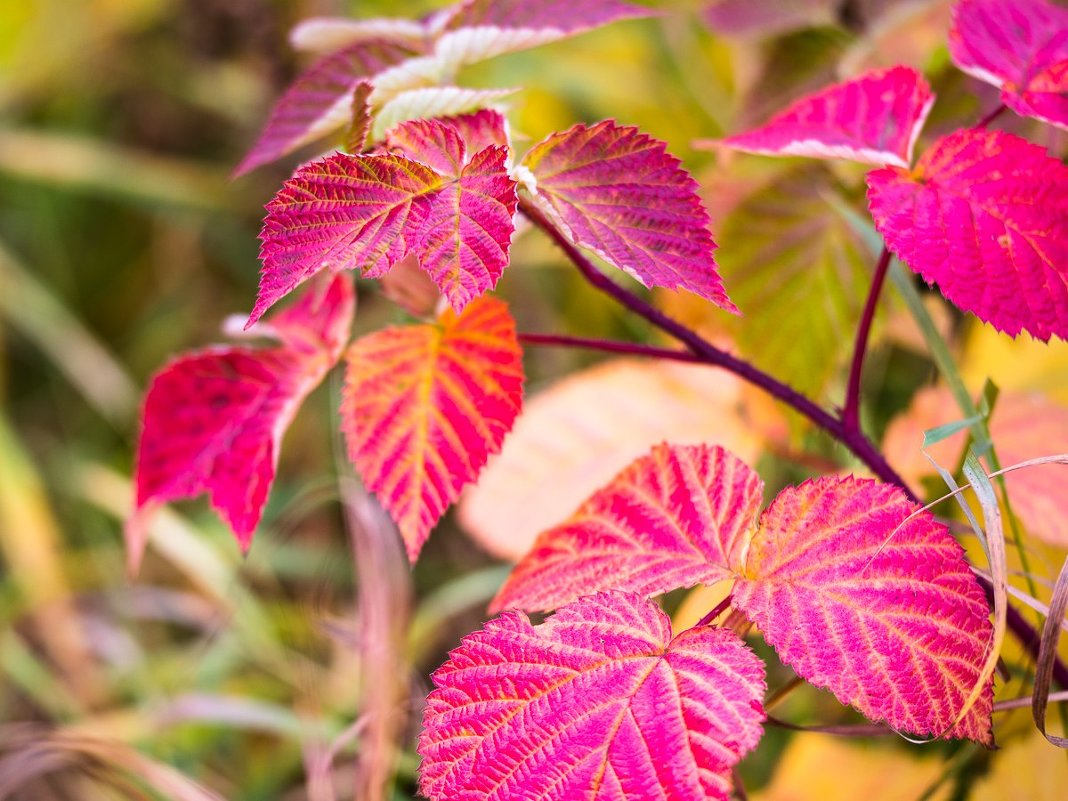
(985, 215)
(450, 210)
(320, 100)
(672, 519)
(619, 193)
(1019, 46)
(213, 420)
(874, 118)
(884, 613)
(425, 406)
(598, 702)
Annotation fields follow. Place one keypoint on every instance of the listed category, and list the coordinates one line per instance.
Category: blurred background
(288, 674)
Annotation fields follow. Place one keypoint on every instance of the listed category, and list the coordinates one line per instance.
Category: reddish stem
(707, 353)
(717, 610)
(851, 409)
(993, 115)
(610, 346)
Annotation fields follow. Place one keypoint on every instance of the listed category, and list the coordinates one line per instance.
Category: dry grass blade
(1047, 652)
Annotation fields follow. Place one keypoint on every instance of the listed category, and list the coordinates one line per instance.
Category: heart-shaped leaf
(673, 518)
(984, 214)
(450, 209)
(618, 192)
(424, 407)
(874, 118)
(879, 607)
(213, 420)
(320, 100)
(1019, 46)
(598, 702)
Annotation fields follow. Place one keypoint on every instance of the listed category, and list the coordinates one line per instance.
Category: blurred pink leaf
(450, 209)
(213, 420)
(320, 100)
(424, 407)
(1019, 46)
(619, 193)
(563, 17)
(874, 118)
(984, 214)
(884, 613)
(598, 702)
(674, 518)
(767, 18)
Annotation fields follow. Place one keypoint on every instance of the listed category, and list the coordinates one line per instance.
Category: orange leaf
(424, 407)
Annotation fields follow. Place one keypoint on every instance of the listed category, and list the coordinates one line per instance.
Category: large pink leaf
(450, 209)
(425, 406)
(984, 214)
(1020, 46)
(619, 193)
(673, 518)
(596, 703)
(320, 100)
(213, 420)
(874, 118)
(884, 613)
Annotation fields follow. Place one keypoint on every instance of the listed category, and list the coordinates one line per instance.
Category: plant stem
(610, 346)
(851, 409)
(993, 115)
(707, 353)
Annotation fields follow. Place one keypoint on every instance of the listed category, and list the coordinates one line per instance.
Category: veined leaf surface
(619, 193)
(424, 407)
(447, 207)
(599, 702)
(1019, 46)
(320, 100)
(984, 214)
(874, 118)
(673, 518)
(213, 420)
(884, 613)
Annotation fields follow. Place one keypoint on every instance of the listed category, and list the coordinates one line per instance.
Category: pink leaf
(1019, 46)
(619, 193)
(767, 18)
(874, 118)
(564, 17)
(985, 215)
(320, 100)
(884, 613)
(213, 420)
(597, 703)
(450, 210)
(425, 406)
(673, 518)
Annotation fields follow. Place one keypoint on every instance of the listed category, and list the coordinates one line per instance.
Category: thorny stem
(851, 409)
(707, 353)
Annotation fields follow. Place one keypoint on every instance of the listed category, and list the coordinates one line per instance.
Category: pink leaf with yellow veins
(874, 118)
(424, 407)
(320, 100)
(886, 614)
(599, 703)
(673, 518)
(1019, 46)
(984, 214)
(213, 420)
(618, 192)
(449, 209)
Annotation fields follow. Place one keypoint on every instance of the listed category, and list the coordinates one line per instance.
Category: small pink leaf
(874, 118)
(451, 211)
(985, 215)
(425, 406)
(619, 193)
(884, 613)
(1019, 46)
(564, 17)
(320, 100)
(213, 420)
(597, 703)
(672, 519)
